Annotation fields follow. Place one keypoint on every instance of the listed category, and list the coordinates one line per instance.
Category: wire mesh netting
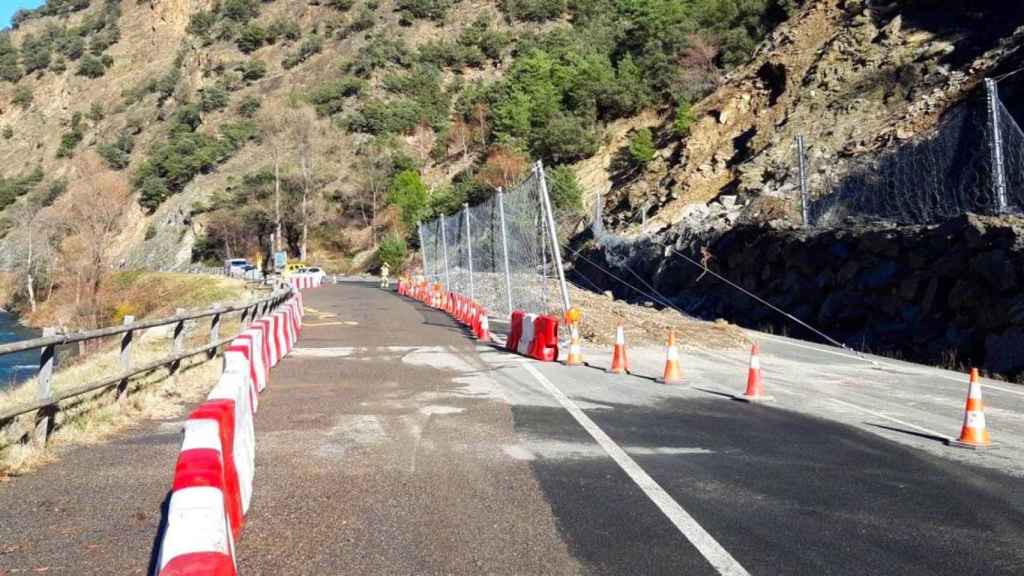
(949, 172)
(466, 251)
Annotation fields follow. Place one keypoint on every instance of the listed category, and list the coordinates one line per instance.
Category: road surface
(389, 442)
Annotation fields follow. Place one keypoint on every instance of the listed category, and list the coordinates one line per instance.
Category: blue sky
(9, 7)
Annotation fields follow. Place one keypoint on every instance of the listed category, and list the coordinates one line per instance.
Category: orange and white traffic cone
(485, 328)
(575, 354)
(620, 364)
(755, 381)
(974, 433)
(672, 374)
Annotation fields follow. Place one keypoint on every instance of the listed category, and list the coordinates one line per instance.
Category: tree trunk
(28, 275)
(277, 203)
(31, 292)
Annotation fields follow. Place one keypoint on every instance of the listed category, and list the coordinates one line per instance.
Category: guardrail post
(126, 357)
(178, 345)
(44, 418)
(214, 331)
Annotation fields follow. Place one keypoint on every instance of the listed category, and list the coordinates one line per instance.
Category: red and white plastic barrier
(305, 281)
(214, 476)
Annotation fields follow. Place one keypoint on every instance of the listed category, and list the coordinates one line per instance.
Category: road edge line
(709, 548)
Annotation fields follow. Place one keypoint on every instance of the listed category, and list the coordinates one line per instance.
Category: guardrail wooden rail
(47, 404)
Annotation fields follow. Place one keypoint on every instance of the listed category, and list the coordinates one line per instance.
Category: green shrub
(641, 147)
(380, 52)
(117, 154)
(173, 163)
(70, 140)
(91, 67)
(253, 70)
(213, 98)
(252, 37)
(533, 10)
(342, 5)
(23, 97)
(684, 120)
(365, 20)
(432, 9)
(10, 70)
(8, 132)
(285, 29)
(565, 189)
(409, 194)
(312, 45)
(35, 53)
(329, 98)
(96, 112)
(248, 106)
(392, 251)
(13, 188)
(240, 10)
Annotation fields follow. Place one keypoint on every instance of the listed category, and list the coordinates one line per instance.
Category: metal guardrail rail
(47, 403)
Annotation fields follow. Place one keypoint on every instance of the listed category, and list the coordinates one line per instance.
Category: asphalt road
(391, 444)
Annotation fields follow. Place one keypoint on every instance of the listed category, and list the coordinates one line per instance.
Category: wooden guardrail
(47, 404)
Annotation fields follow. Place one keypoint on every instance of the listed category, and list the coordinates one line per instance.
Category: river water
(15, 368)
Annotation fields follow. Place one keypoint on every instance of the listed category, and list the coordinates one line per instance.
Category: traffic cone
(672, 374)
(974, 433)
(485, 328)
(620, 364)
(575, 355)
(755, 381)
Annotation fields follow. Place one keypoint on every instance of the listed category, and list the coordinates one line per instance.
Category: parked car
(316, 272)
(235, 266)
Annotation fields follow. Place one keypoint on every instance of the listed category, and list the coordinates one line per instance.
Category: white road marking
(890, 418)
(717, 556)
(922, 370)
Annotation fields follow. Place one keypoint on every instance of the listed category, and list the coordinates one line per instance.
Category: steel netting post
(804, 208)
(555, 246)
(504, 249)
(423, 249)
(444, 251)
(996, 145)
(469, 252)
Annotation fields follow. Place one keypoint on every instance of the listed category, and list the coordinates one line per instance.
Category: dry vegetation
(649, 325)
(96, 416)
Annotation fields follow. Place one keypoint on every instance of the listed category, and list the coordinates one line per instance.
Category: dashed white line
(712, 551)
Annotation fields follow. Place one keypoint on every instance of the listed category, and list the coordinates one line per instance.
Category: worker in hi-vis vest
(385, 272)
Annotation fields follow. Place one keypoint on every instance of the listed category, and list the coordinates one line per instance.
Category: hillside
(221, 127)
(857, 79)
(170, 132)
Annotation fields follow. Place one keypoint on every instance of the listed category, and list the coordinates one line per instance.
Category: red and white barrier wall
(213, 478)
(306, 281)
(531, 335)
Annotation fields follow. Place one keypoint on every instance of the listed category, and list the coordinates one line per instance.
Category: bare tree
(274, 124)
(302, 124)
(95, 207)
(422, 141)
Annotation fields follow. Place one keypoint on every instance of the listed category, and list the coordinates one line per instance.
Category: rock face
(941, 294)
(855, 78)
